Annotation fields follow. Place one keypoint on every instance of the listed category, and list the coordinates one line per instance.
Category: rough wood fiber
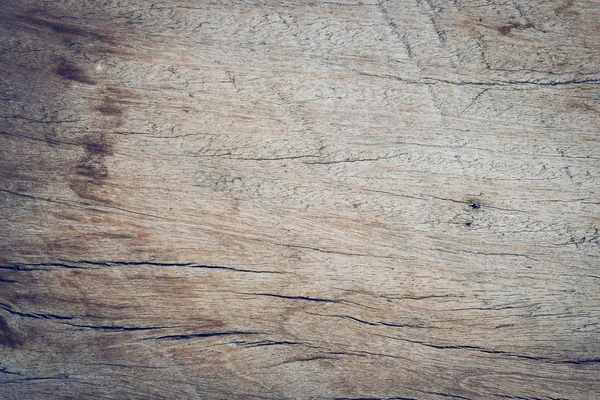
(299, 199)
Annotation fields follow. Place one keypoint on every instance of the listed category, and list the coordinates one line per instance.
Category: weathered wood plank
(276, 199)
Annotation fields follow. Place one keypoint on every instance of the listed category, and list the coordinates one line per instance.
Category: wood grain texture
(300, 199)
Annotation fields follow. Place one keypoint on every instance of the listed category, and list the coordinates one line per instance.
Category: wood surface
(300, 199)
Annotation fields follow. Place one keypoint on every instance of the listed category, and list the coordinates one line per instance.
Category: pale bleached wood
(299, 199)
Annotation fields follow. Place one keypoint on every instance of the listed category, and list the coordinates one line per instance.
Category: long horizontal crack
(499, 352)
(263, 343)
(538, 82)
(306, 298)
(302, 359)
(118, 327)
(33, 315)
(351, 160)
(201, 335)
(378, 323)
(73, 265)
(375, 398)
(6, 371)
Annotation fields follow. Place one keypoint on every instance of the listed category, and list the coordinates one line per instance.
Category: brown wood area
(277, 199)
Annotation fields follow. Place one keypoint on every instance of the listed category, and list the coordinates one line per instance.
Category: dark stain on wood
(99, 147)
(111, 106)
(8, 337)
(92, 167)
(64, 29)
(71, 72)
(91, 171)
(507, 29)
(109, 109)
